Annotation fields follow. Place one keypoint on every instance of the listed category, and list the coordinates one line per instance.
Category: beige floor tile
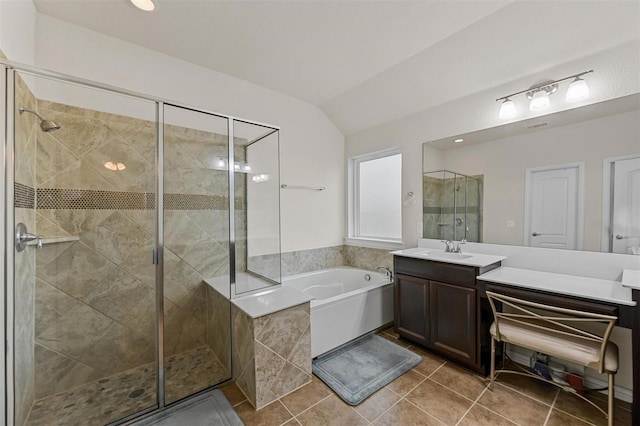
(430, 362)
(440, 402)
(514, 406)
(459, 380)
(376, 404)
(404, 413)
(558, 418)
(403, 384)
(233, 393)
(573, 405)
(331, 412)
(543, 392)
(308, 395)
(479, 415)
(292, 422)
(272, 414)
(395, 340)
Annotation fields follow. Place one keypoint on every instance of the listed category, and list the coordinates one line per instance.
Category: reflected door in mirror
(553, 207)
(626, 206)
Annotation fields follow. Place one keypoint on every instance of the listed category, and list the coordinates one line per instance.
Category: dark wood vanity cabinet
(437, 307)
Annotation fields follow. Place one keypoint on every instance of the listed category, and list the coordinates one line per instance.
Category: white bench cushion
(547, 341)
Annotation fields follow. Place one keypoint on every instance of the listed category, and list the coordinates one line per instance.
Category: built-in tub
(347, 303)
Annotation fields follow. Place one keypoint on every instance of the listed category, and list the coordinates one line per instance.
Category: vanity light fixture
(146, 5)
(507, 109)
(539, 95)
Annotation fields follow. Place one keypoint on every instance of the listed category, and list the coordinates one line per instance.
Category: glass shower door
(197, 323)
(84, 287)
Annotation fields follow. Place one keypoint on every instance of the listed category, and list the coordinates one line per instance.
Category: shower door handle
(622, 237)
(23, 237)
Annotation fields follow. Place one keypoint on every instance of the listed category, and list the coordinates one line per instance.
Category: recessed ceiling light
(146, 5)
(458, 140)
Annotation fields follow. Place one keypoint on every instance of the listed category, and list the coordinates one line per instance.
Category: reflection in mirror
(452, 206)
(597, 138)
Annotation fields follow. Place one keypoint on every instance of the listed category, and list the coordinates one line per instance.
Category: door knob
(619, 237)
(535, 234)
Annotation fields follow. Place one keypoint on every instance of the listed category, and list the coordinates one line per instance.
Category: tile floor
(123, 394)
(435, 392)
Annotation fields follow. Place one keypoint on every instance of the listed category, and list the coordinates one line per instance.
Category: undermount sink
(443, 255)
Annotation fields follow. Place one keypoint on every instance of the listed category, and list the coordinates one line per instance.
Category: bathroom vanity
(437, 304)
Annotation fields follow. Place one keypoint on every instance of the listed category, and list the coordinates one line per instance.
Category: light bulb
(577, 91)
(507, 110)
(539, 101)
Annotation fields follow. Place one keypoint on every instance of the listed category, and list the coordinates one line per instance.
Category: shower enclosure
(452, 207)
(128, 206)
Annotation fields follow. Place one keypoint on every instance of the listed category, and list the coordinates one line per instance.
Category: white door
(626, 206)
(553, 208)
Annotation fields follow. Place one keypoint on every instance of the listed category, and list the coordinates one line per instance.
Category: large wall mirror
(565, 180)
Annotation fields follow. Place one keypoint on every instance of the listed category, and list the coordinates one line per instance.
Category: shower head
(45, 125)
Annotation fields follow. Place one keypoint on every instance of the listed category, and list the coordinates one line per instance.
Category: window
(376, 197)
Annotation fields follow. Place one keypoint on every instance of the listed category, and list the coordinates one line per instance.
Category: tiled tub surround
(272, 353)
(298, 262)
(95, 297)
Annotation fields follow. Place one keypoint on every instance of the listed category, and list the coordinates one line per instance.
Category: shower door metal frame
(7, 166)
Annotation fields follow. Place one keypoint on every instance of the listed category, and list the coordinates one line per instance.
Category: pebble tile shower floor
(118, 396)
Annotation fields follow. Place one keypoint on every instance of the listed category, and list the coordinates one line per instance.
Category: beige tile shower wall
(272, 353)
(25, 261)
(95, 298)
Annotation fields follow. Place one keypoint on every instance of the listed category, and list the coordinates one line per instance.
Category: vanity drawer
(434, 270)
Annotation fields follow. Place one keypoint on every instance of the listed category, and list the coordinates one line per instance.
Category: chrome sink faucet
(457, 248)
(454, 246)
(387, 272)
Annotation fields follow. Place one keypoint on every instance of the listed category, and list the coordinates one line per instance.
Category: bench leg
(611, 399)
(493, 362)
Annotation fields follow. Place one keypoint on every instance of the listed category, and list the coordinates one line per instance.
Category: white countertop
(270, 301)
(468, 259)
(571, 285)
(631, 279)
(263, 296)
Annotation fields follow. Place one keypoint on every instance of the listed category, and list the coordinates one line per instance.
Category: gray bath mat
(360, 368)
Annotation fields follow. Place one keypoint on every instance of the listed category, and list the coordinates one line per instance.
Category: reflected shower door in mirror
(84, 303)
(452, 206)
(197, 319)
(591, 135)
(257, 213)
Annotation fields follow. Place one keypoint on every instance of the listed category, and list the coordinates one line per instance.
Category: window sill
(373, 243)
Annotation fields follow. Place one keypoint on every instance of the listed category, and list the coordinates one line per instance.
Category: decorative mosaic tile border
(55, 198)
(24, 196)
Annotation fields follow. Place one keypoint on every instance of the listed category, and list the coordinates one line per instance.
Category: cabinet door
(452, 311)
(411, 320)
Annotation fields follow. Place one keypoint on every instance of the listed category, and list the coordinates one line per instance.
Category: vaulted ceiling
(366, 62)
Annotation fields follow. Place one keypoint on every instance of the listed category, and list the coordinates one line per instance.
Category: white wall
(17, 30)
(311, 147)
(616, 74)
